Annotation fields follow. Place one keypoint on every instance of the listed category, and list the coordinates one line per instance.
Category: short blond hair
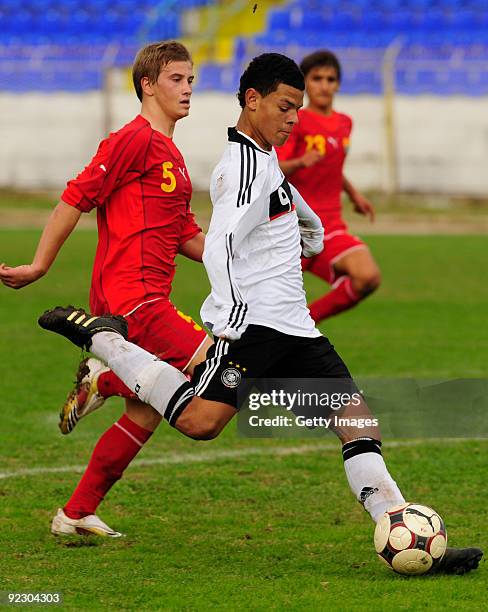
(151, 59)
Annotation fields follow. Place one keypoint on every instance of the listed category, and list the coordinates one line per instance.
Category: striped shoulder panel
(247, 174)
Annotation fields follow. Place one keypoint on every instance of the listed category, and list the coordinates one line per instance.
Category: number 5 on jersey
(170, 184)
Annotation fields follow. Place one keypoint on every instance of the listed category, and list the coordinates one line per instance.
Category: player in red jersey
(313, 160)
(140, 186)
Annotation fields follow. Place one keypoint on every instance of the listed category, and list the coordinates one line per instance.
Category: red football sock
(112, 454)
(341, 297)
(109, 384)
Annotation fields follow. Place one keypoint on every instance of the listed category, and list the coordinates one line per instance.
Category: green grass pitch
(238, 524)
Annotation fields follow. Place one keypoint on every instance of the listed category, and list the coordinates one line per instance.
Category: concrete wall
(442, 142)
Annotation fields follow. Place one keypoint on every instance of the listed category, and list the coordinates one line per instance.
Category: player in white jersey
(253, 245)
(256, 309)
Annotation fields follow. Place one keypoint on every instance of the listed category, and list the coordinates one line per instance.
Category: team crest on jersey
(231, 377)
(280, 201)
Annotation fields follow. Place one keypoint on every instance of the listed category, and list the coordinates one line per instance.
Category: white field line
(219, 454)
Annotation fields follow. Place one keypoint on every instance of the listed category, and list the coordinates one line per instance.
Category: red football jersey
(321, 184)
(140, 185)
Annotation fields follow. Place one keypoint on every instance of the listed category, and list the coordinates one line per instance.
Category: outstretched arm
(59, 226)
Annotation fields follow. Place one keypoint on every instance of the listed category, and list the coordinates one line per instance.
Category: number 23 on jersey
(316, 141)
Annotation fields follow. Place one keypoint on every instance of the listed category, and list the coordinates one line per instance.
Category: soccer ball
(411, 539)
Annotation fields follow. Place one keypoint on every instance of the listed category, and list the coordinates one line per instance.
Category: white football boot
(84, 397)
(88, 525)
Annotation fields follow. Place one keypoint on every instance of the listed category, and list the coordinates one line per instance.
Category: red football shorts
(166, 332)
(336, 244)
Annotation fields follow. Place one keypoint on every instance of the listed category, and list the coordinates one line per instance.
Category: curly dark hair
(320, 58)
(266, 72)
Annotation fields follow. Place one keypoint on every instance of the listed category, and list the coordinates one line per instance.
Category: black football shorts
(264, 353)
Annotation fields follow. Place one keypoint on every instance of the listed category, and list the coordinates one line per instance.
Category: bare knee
(198, 428)
(366, 283)
(204, 419)
(142, 414)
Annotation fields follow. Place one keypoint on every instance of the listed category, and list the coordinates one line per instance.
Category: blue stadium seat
(312, 21)
(208, 78)
(463, 19)
(362, 81)
(39, 80)
(431, 30)
(374, 20)
(279, 20)
(342, 21)
(400, 20)
(217, 77)
(407, 82)
(462, 82)
(240, 49)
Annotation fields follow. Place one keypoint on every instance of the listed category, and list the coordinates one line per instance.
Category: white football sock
(154, 382)
(369, 478)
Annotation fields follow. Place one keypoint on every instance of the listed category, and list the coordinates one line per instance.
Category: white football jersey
(252, 248)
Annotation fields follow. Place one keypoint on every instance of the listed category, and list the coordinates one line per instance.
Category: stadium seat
(431, 30)
(217, 77)
(362, 81)
(279, 20)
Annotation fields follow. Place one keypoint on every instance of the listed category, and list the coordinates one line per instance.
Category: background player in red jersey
(140, 186)
(313, 160)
